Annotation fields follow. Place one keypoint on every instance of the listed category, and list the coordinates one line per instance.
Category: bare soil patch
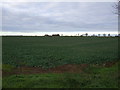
(70, 68)
(67, 68)
(109, 64)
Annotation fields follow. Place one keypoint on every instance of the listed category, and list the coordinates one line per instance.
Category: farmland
(49, 52)
(59, 62)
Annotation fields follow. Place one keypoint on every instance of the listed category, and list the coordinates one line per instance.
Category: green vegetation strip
(93, 77)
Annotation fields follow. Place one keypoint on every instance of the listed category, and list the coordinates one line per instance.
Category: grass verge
(92, 77)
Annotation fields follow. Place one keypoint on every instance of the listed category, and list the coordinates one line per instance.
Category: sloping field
(48, 52)
(60, 62)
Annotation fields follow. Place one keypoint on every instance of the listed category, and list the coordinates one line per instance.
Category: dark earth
(67, 68)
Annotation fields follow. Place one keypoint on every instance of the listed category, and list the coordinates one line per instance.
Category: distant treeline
(83, 35)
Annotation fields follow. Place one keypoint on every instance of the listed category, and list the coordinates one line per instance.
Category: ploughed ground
(67, 68)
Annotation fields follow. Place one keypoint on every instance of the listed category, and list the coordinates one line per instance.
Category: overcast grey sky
(58, 17)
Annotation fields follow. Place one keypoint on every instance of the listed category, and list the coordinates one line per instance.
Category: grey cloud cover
(58, 17)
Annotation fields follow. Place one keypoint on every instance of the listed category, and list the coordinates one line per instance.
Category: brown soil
(69, 68)
(109, 64)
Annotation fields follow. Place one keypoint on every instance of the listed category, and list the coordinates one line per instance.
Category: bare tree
(119, 35)
(93, 35)
(86, 34)
(104, 35)
(108, 35)
(99, 35)
(117, 7)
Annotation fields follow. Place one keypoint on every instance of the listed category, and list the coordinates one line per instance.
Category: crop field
(59, 62)
(49, 52)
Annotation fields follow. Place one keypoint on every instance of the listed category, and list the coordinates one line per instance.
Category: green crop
(49, 52)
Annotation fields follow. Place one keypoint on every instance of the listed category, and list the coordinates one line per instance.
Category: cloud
(58, 17)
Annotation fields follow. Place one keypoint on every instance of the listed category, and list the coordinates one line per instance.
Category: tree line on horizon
(86, 34)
